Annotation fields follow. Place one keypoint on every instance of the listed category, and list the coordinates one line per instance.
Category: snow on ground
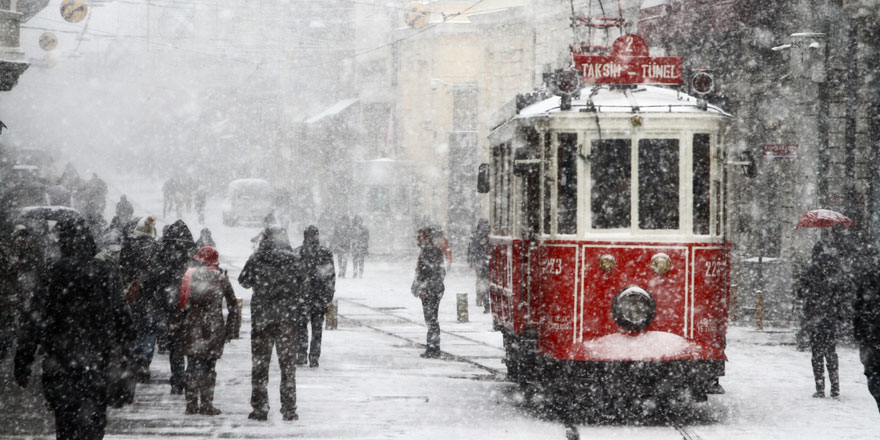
(373, 385)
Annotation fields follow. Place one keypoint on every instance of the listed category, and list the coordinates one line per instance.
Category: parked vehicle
(248, 201)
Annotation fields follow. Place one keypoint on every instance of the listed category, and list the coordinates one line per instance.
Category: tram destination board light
(702, 82)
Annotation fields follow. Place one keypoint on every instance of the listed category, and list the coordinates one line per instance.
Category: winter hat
(207, 255)
(310, 236)
(146, 226)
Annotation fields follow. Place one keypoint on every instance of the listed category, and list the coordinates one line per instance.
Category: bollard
(332, 317)
(462, 307)
(759, 310)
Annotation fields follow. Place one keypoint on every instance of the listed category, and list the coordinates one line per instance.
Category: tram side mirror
(483, 178)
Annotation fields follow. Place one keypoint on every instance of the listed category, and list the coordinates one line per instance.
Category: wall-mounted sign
(780, 151)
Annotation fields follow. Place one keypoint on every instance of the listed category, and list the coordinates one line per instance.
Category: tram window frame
(548, 183)
(702, 183)
(567, 183)
(611, 181)
(658, 188)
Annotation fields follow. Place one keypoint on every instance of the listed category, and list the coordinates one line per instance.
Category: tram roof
(608, 99)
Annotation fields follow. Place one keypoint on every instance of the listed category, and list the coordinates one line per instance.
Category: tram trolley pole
(759, 310)
(462, 307)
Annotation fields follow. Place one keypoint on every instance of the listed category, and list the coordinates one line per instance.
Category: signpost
(628, 63)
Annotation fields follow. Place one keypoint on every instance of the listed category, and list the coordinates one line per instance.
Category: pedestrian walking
(866, 320)
(124, 210)
(820, 286)
(203, 332)
(272, 271)
(80, 320)
(201, 201)
(318, 287)
(341, 243)
(174, 255)
(360, 246)
(205, 239)
(135, 261)
(428, 287)
(478, 259)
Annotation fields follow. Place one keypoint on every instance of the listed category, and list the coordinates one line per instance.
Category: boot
(835, 383)
(191, 395)
(207, 394)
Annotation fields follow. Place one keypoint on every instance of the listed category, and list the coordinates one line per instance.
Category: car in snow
(248, 201)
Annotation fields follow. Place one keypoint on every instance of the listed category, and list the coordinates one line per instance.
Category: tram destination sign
(628, 63)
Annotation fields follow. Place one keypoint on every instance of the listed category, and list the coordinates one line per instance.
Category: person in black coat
(162, 288)
(820, 286)
(478, 259)
(360, 246)
(428, 287)
(124, 210)
(866, 320)
(272, 271)
(319, 286)
(135, 260)
(81, 321)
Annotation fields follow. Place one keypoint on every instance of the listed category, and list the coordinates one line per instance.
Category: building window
(658, 183)
(611, 176)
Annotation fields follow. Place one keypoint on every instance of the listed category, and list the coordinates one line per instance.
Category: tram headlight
(607, 263)
(661, 263)
(633, 309)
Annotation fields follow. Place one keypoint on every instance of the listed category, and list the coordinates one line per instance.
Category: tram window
(658, 183)
(701, 183)
(548, 181)
(496, 186)
(567, 184)
(611, 173)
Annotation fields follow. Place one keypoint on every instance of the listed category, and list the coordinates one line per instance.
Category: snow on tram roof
(643, 99)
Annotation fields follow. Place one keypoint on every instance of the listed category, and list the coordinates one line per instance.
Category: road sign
(416, 15)
(628, 63)
(48, 41)
(74, 10)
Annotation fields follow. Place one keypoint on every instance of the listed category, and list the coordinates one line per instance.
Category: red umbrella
(823, 218)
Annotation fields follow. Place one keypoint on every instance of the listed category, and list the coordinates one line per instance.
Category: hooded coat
(80, 319)
(203, 332)
(273, 272)
(161, 287)
(866, 320)
(318, 272)
(821, 287)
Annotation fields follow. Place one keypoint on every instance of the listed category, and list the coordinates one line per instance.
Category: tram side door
(528, 192)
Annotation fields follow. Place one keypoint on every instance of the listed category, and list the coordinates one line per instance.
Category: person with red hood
(202, 292)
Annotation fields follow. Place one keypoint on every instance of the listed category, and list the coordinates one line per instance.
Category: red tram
(608, 254)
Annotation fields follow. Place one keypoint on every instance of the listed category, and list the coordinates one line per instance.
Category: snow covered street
(371, 383)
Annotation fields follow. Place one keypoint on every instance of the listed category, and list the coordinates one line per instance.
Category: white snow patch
(649, 345)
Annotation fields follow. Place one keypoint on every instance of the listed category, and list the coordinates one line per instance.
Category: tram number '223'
(552, 266)
(714, 269)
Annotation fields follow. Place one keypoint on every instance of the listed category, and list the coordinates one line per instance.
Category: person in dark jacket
(135, 260)
(341, 243)
(319, 286)
(161, 289)
(820, 286)
(205, 239)
(478, 259)
(80, 320)
(360, 246)
(428, 287)
(124, 210)
(866, 320)
(272, 271)
(203, 332)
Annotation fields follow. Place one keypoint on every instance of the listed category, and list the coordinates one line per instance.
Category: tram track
(571, 431)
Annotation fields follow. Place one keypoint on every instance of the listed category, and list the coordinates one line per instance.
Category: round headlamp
(607, 263)
(661, 263)
(633, 309)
